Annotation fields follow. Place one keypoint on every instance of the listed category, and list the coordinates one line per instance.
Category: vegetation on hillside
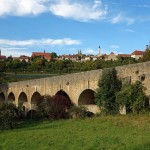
(111, 95)
(102, 133)
(54, 67)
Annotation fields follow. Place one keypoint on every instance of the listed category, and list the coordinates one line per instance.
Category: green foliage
(133, 97)
(53, 56)
(54, 107)
(101, 133)
(146, 56)
(105, 95)
(8, 116)
(77, 112)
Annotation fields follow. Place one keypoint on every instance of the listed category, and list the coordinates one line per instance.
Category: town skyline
(66, 26)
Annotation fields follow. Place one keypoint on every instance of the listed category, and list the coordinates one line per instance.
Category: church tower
(99, 51)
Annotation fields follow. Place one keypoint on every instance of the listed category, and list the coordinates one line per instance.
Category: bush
(55, 107)
(78, 112)
(133, 97)
(8, 116)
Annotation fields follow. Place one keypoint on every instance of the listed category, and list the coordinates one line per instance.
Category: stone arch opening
(86, 97)
(32, 114)
(63, 93)
(22, 98)
(2, 97)
(35, 99)
(11, 97)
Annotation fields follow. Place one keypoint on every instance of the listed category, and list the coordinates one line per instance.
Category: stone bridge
(79, 87)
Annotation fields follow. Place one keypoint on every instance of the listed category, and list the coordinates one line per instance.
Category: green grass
(101, 133)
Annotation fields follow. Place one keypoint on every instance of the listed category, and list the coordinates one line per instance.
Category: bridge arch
(86, 97)
(22, 102)
(2, 97)
(22, 98)
(11, 97)
(63, 93)
(35, 99)
(31, 114)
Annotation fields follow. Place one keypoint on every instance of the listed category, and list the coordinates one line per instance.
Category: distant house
(137, 54)
(124, 56)
(15, 58)
(23, 57)
(47, 56)
(2, 57)
(111, 56)
(74, 57)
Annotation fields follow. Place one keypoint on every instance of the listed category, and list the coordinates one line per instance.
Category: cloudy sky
(66, 26)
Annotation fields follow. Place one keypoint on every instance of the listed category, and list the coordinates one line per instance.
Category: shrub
(8, 116)
(78, 112)
(54, 107)
(133, 97)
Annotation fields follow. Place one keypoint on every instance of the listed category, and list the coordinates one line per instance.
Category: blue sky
(66, 26)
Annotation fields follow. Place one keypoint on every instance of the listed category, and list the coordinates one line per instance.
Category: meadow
(98, 133)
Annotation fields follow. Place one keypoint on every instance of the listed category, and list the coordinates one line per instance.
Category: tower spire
(99, 51)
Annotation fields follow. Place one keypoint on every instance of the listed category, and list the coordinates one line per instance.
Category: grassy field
(101, 133)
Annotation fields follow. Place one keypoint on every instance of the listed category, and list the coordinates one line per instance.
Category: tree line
(55, 67)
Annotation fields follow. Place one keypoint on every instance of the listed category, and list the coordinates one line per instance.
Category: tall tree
(108, 86)
(133, 97)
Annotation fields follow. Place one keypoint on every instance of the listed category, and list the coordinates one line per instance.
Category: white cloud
(22, 7)
(129, 30)
(90, 51)
(15, 51)
(120, 18)
(73, 9)
(81, 11)
(34, 42)
(114, 46)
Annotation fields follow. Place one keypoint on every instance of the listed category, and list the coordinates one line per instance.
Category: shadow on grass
(40, 124)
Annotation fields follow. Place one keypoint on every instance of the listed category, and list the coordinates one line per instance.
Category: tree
(53, 56)
(133, 97)
(146, 56)
(54, 107)
(105, 95)
(8, 116)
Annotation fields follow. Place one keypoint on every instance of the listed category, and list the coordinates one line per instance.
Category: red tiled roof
(23, 56)
(137, 52)
(111, 53)
(41, 54)
(124, 55)
(2, 57)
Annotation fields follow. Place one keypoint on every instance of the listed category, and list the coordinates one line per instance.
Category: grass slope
(102, 133)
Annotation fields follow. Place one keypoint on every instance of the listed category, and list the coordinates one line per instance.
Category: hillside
(112, 132)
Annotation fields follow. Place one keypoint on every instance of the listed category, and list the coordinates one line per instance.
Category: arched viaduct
(79, 87)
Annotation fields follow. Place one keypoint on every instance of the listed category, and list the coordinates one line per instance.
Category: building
(45, 55)
(124, 56)
(2, 57)
(23, 57)
(137, 54)
(111, 56)
(99, 52)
